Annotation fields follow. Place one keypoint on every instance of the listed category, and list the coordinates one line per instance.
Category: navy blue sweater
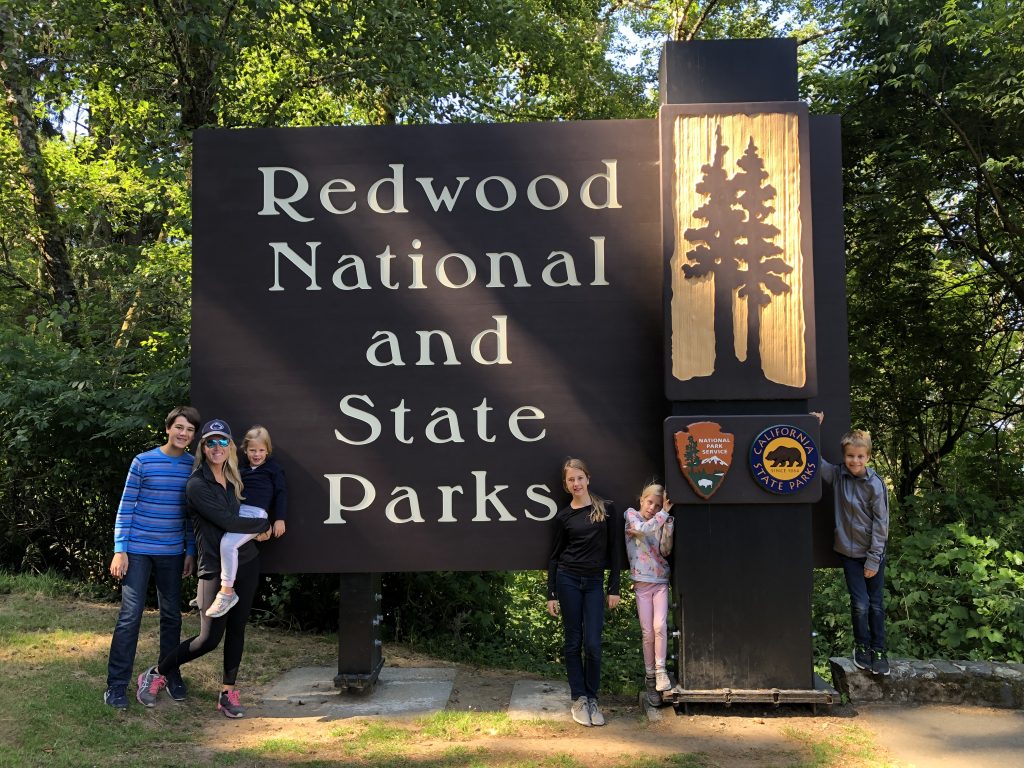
(265, 487)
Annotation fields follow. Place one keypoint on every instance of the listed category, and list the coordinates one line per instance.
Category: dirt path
(712, 737)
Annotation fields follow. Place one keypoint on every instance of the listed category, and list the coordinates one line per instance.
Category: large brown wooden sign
(429, 320)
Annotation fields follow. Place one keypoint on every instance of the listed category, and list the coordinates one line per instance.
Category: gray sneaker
(151, 683)
(222, 605)
(581, 711)
(229, 704)
(651, 692)
(596, 718)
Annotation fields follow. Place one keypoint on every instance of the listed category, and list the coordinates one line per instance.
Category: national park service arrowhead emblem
(704, 452)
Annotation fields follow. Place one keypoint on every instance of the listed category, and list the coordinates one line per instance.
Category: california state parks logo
(783, 459)
(704, 453)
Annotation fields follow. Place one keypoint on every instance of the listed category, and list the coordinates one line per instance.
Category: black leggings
(231, 626)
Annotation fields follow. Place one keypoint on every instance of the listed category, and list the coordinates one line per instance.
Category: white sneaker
(596, 718)
(222, 604)
(661, 681)
(581, 711)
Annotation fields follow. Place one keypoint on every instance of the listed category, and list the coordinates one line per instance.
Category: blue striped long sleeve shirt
(151, 517)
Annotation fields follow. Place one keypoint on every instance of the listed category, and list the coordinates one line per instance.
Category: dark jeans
(867, 605)
(167, 572)
(230, 626)
(581, 599)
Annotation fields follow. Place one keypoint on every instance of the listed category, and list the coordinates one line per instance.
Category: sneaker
(222, 604)
(581, 711)
(863, 658)
(230, 704)
(661, 680)
(596, 718)
(176, 686)
(881, 664)
(651, 693)
(116, 696)
(150, 683)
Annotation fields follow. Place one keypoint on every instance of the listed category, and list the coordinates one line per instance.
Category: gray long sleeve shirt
(861, 508)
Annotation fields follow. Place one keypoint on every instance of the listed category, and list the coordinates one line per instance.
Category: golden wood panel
(776, 141)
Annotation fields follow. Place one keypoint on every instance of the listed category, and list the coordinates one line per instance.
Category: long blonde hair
(231, 473)
(597, 510)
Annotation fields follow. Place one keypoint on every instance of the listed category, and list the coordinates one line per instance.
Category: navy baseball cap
(215, 427)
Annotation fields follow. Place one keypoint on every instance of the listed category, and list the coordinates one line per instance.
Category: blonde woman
(214, 493)
(265, 492)
(588, 541)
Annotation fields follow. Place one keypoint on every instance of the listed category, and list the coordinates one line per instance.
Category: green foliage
(954, 583)
(932, 117)
(956, 590)
(72, 424)
(500, 619)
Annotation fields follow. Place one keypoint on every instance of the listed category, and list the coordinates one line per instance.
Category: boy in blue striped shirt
(151, 537)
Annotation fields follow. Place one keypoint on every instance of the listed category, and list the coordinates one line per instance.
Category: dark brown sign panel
(429, 320)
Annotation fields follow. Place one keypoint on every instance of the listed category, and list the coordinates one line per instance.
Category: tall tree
(762, 278)
(715, 253)
(933, 115)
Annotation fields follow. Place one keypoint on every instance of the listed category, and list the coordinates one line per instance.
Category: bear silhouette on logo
(785, 456)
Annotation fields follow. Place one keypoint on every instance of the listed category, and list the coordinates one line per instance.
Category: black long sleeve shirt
(213, 510)
(584, 548)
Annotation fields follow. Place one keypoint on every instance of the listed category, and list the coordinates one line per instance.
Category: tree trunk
(48, 238)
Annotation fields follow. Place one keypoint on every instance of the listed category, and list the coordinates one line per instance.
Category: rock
(933, 681)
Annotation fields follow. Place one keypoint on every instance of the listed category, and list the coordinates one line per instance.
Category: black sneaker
(880, 666)
(116, 696)
(863, 658)
(176, 686)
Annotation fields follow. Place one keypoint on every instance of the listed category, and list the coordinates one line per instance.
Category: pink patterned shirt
(645, 561)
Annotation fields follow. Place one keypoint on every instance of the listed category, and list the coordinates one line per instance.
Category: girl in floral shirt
(649, 571)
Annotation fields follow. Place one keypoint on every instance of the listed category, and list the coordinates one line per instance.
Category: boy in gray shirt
(861, 507)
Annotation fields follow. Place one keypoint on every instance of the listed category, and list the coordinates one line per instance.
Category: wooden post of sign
(359, 644)
(743, 571)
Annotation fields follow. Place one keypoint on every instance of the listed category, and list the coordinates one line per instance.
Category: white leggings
(230, 542)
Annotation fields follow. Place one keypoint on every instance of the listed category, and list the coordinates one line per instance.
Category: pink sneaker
(230, 704)
(151, 683)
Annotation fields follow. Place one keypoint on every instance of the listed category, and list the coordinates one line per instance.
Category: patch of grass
(560, 760)
(679, 760)
(281, 746)
(53, 663)
(846, 745)
(377, 742)
(454, 726)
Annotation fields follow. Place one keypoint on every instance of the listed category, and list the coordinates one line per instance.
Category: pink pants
(652, 608)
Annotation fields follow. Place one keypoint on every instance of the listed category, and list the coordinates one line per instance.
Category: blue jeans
(167, 572)
(867, 607)
(581, 599)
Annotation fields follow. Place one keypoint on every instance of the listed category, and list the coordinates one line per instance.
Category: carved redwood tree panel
(736, 213)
